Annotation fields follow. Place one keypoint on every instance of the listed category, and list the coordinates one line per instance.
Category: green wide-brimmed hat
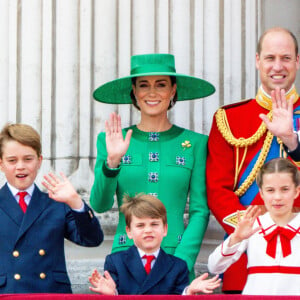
(118, 91)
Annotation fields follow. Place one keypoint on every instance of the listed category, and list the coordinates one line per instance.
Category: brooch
(122, 239)
(180, 160)
(153, 156)
(153, 177)
(179, 238)
(186, 144)
(126, 159)
(153, 136)
(153, 194)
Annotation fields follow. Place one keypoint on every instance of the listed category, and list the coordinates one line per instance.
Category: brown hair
(23, 134)
(143, 206)
(133, 99)
(261, 39)
(278, 165)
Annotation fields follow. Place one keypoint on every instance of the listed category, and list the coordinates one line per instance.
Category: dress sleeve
(105, 181)
(189, 246)
(224, 256)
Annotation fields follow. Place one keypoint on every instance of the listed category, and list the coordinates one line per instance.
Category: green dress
(169, 165)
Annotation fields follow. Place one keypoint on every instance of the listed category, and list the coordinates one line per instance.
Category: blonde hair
(142, 206)
(23, 134)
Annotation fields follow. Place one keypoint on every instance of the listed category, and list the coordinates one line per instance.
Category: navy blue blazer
(169, 275)
(295, 155)
(32, 258)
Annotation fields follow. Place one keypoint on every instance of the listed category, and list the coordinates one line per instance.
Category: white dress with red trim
(273, 258)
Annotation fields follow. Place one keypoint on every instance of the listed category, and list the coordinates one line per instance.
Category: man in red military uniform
(240, 143)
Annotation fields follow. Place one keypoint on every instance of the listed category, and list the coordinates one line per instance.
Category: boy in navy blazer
(131, 272)
(33, 225)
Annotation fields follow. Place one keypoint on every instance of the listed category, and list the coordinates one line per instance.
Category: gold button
(17, 276)
(16, 253)
(42, 252)
(42, 275)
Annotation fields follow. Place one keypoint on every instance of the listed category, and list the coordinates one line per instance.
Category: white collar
(15, 191)
(269, 225)
(142, 253)
(269, 96)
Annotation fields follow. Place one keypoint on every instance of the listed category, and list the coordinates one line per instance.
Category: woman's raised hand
(116, 145)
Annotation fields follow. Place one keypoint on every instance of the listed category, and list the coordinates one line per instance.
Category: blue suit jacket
(32, 258)
(169, 275)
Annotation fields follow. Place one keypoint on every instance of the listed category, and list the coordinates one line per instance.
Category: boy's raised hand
(244, 228)
(104, 285)
(61, 190)
(203, 285)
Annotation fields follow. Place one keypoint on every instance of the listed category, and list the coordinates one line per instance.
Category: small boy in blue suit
(145, 268)
(33, 224)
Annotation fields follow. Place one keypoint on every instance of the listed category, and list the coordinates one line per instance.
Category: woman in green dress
(155, 156)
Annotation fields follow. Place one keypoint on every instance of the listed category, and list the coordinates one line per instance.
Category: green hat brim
(118, 90)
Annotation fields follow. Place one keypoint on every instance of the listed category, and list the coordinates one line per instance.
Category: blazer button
(17, 276)
(42, 275)
(42, 252)
(16, 253)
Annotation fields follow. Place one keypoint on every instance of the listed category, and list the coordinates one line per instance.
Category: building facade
(55, 53)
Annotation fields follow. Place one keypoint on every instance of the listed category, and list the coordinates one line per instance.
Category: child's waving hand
(244, 228)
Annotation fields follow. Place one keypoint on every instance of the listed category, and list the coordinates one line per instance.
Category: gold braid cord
(223, 126)
(260, 161)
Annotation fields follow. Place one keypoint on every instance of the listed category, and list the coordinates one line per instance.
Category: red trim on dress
(274, 269)
(230, 254)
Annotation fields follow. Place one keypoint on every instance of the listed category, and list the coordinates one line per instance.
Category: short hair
(21, 133)
(274, 29)
(143, 206)
(133, 99)
(278, 165)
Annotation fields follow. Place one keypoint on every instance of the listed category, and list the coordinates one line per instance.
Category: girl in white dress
(272, 240)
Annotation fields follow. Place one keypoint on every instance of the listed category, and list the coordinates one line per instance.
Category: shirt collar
(15, 191)
(142, 253)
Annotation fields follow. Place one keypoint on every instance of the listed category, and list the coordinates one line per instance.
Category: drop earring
(172, 103)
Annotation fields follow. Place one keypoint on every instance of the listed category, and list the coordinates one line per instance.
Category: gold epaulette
(223, 126)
